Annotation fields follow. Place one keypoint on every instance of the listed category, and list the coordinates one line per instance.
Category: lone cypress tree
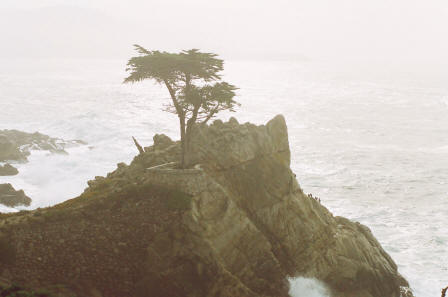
(193, 81)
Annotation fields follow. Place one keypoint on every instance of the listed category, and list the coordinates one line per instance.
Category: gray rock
(8, 170)
(10, 197)
(161, 141)
(9, 150)
(246, 178)
(228, 144)
(16, 145)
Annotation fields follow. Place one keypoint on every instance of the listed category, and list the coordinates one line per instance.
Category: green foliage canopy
(191, 77)
(193, 80)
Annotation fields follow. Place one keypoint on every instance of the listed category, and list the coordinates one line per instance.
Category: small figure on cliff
(315, 198)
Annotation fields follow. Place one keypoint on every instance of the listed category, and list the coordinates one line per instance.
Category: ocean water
(306, 287)
(371, 142)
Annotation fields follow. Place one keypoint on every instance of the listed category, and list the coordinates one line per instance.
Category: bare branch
(444, 291)
(139, 147)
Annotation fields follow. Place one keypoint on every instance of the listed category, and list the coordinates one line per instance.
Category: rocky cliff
(236, 223)
(16, 146)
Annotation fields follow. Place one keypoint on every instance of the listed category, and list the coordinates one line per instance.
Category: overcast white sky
(356, 29)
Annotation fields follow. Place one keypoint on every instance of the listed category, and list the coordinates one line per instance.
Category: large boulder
(8, 170)
(10, 197)
(229, 144)
(10, 150)
(161, 141)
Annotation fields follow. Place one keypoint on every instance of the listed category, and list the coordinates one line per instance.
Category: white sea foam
(307, 287)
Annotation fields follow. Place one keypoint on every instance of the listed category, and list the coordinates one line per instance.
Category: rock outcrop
(8, 170)
(16, 145)
(236, 223)
(12, 198)
(10, 151)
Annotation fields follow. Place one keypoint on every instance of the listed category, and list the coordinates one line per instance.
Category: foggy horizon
(378, 31)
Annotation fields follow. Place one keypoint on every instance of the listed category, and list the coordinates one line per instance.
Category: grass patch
(7, 251)
(173, 199)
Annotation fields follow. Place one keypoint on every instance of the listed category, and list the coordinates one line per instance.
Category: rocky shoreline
(236, 223)
(12, 198)
(16, 146)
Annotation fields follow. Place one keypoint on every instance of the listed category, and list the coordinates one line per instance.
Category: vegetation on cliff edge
(193, 80)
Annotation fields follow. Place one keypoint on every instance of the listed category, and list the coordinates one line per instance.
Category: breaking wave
(307, 287)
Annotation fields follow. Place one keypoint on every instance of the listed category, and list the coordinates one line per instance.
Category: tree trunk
(188, 142)
(182, 141)
(189, 131)
(181, 116)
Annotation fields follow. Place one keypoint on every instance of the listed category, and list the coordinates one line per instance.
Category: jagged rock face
(247, 226)
(10, 197)
(162, 141)
(296, 233)
(16, 145)
(230, 144)
(10, 151)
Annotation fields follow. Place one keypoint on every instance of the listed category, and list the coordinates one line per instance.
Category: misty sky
(346, 29)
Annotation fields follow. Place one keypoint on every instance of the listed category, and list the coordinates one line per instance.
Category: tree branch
(211, 114)
(139, 147)
(444, 291)
(173, 97)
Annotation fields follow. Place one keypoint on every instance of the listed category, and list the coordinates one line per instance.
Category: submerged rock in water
(12, 198)
(10, 150)
(235, 223)
(8, 170)
(16, 145)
